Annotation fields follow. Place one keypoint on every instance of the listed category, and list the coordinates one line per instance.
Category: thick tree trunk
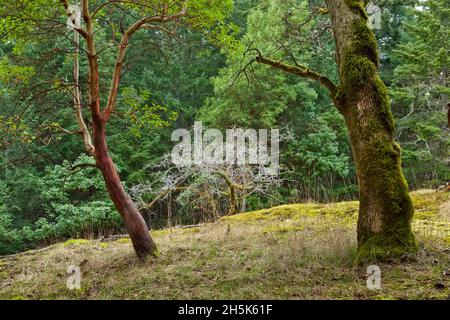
(386, 210)
(134, 222)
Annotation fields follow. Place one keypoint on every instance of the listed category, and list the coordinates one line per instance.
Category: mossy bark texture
(386, 210)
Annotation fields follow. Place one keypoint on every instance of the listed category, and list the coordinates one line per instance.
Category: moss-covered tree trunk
(386, 210)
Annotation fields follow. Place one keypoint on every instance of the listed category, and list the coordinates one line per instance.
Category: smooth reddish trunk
(134, 222)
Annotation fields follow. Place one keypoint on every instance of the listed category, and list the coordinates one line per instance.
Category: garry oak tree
(386, 210)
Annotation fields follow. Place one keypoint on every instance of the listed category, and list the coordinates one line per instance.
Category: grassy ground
(303, 251)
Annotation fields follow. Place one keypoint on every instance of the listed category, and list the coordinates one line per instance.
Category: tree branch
(94, 85)
(175, 187)
(115, 81)
(77, 99)
(80, 31)
(63, 130)
(301, 71)
(65, 4)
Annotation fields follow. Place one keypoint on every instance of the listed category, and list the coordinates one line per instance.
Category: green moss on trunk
(386, 210)
(358, 7)
(384, 248)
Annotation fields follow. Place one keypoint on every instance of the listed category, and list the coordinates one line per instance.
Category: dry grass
(301, 251)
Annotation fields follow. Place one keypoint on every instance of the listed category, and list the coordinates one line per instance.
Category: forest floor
(301, 251)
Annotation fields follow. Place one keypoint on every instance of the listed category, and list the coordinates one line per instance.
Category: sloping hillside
(302, 251)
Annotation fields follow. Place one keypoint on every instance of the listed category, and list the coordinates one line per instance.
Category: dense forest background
(49, 189)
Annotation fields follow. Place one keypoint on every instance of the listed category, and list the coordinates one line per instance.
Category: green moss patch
(123, 241)
(75, 242)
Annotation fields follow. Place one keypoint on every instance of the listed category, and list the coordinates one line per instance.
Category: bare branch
(77, 99)
(59, 128)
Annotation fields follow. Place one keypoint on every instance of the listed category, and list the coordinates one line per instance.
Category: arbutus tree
(126, 18)
(386, 210)
(162, 13)
(134, 222)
